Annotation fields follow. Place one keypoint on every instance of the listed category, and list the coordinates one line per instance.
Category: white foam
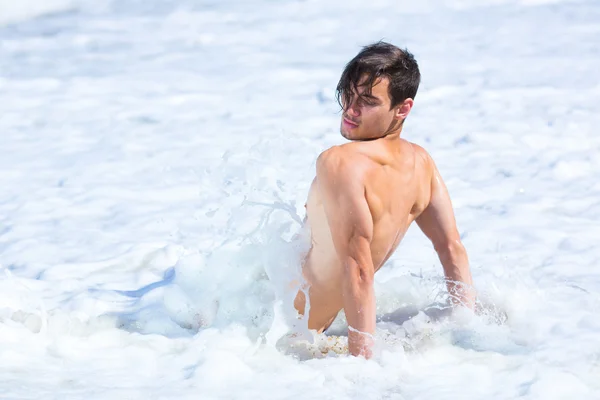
(155, 161)
(16, 11)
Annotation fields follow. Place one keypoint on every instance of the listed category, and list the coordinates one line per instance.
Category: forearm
(459, 281)
(359, 305)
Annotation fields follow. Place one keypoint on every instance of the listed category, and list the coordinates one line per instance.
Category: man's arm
(438, 223)
(340, 176)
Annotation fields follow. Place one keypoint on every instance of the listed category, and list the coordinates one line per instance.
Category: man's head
(376, 91)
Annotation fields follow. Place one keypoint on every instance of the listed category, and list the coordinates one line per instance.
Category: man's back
(397, 179)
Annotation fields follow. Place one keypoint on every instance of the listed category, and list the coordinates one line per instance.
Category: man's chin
(346, 134)
(357, 138)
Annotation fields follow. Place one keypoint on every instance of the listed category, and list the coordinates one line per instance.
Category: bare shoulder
(344, 161)
(421, 152)
(424, 158)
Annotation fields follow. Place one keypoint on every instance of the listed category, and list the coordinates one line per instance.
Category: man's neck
(395, 130)
(392, 134)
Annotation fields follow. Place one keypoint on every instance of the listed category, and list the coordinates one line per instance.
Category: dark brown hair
(380, 60)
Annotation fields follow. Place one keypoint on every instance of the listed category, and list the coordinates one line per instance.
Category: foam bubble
(16, 11)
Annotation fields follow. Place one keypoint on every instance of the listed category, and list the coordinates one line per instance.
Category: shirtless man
(367, 192)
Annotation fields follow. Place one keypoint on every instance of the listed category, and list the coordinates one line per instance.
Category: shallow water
(156, 157)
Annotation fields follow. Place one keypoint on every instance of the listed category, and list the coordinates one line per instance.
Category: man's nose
(353, 109)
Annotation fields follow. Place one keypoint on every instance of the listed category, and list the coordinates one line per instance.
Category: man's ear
(403, 109)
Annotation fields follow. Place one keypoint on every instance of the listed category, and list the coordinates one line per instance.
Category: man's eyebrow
(370, 97)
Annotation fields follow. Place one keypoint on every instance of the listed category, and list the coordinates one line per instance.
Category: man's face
(369, 116)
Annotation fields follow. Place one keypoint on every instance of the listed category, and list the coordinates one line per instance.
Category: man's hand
(340, 176)
(439, 225)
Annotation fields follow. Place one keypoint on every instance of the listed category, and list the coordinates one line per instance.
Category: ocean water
(156, 156)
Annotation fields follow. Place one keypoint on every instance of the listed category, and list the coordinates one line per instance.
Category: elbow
(451, 251)
(358, 262)
(359, 274)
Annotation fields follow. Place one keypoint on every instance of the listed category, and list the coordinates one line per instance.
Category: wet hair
(376, 61)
